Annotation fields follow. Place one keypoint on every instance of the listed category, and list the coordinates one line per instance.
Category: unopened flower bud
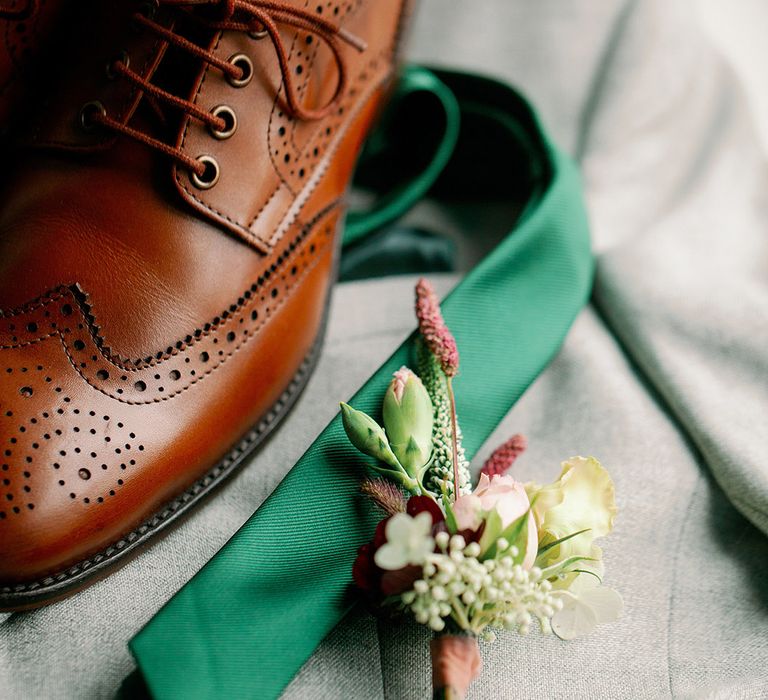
(408, 419)
(367, 435)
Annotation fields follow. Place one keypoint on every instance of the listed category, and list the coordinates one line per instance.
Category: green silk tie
(245, 624)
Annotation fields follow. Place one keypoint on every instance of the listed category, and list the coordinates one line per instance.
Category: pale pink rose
(508, 498)
(467, 511)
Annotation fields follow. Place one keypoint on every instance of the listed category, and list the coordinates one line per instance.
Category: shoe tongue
(97, 34)
(177, 74)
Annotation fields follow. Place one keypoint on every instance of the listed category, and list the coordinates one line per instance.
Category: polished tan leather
(150, 327)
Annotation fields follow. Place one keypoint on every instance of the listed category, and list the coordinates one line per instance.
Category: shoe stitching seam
(206, 205)
(269, 313)
(204, 482)
(122, 363)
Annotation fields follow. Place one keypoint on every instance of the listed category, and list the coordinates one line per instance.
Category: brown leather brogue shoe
(25, 26)
(167, 246)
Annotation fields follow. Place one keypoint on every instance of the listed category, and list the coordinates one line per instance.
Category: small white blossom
(408, 541)
(477, 595)
(585, 605)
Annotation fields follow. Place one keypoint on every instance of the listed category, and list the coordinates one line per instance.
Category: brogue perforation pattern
(193, 493)
(88, 444)
(187, 362)
(292, 159)
(88, 455)
(20, 35)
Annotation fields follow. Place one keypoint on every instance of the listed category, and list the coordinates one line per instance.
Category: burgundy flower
(376, 581)
(365, 573)
(395, 582)
(424, 504)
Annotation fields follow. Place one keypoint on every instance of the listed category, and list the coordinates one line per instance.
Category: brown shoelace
(257, 17)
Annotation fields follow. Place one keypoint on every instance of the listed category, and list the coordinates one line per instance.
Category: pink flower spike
(504, 456)
(432, 327)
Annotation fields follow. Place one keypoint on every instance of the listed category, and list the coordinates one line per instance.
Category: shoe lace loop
(257, 17)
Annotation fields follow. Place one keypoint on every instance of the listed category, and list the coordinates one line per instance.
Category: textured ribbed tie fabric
(244, 625)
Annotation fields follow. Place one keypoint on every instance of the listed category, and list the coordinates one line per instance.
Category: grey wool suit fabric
(663, 377)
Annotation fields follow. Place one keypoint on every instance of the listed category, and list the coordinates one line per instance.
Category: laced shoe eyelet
(226, 113)
(210, 175)
(241, 61)
(87, 113)
(123, 58)
(148, 10)
(258, 34)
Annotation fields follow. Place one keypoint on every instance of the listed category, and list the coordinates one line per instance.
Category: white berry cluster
(480, 594)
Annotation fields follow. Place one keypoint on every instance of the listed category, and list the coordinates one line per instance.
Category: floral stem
(425, 491)
(459, 615)
(454, 439)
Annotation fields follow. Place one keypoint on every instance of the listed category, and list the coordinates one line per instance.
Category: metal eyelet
(87, 113)
(210, 175)
(147, 9)
(123, 58)
(241, 61)
(226, 113)
(258, 34)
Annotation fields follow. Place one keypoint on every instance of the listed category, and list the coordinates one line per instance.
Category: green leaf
(562, 567)
(550, 545)
(398, 477)
(450, 516)
(516, 531)
(521, 541)
(491, 533)
(586, 571)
